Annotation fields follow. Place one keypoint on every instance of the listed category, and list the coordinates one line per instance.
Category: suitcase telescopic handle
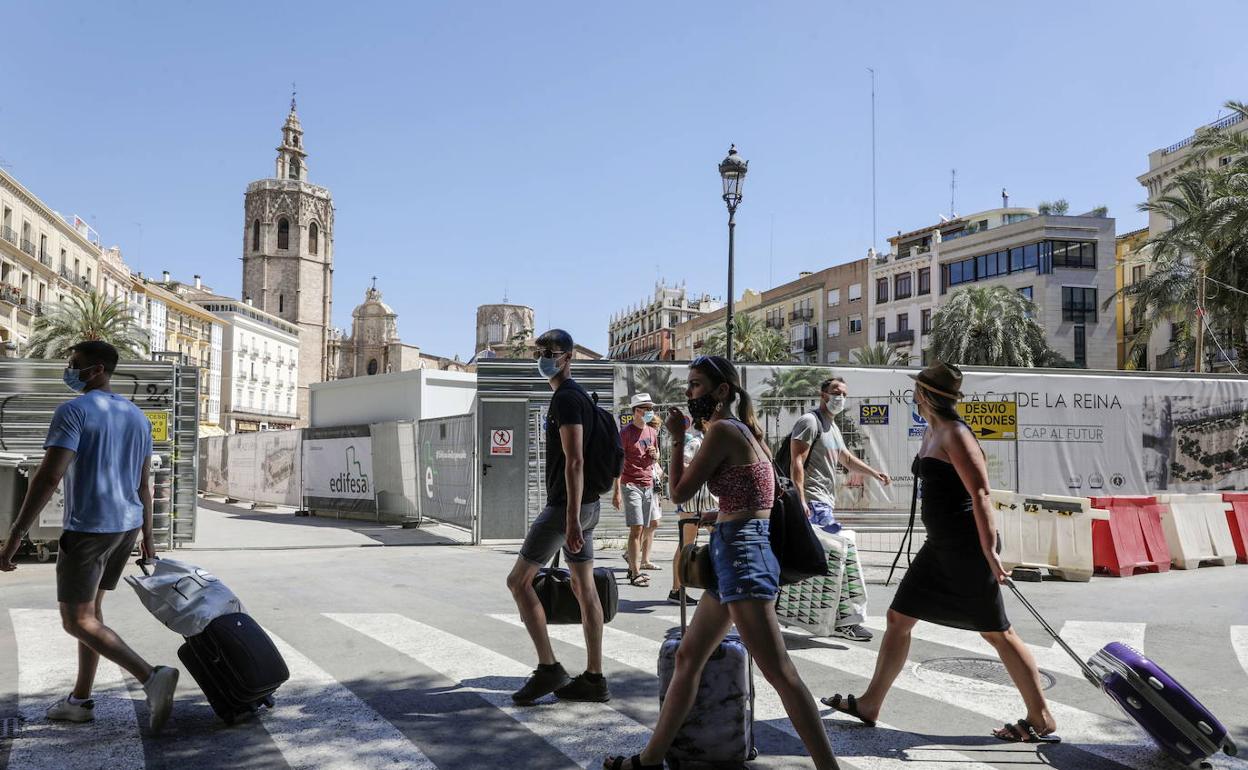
(680, 549)
(1088, 673)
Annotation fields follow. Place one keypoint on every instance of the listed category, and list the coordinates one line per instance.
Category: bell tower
(288, 253)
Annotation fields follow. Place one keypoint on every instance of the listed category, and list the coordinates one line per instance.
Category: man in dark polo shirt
(101, 444)
(566, 522)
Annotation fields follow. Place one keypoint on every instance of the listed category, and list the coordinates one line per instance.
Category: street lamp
(732, 171)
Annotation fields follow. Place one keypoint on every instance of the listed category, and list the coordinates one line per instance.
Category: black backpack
(783, 459)
(604, 453)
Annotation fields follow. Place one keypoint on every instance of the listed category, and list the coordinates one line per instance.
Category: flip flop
(850, 707)
(650, 566)
(634, 763)
(1027, 734)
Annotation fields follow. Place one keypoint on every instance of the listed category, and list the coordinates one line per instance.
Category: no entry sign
(501, 442)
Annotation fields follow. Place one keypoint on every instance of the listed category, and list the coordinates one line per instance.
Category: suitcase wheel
(1229, 748)
(753, 753)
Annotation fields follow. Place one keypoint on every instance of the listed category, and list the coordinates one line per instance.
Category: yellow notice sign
(991, 420)
(160, 425)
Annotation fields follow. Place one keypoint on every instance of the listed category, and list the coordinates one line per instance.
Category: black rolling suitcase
(236, 665)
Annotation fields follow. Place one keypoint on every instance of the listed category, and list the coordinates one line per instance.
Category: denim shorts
(745, 567)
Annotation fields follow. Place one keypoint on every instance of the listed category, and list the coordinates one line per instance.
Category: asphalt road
(403, 657)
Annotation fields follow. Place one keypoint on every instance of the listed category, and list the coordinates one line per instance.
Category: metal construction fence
(31, 390)
(402, 472)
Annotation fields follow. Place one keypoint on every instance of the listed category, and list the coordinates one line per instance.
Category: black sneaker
(543, 682)
(674, 597)
(582, 688)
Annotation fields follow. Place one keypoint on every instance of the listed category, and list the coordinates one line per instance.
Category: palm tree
(752, 342)
(1207, 208)
(988, 326)
(665, 384)
(790, 389)
(881, 354)
(79, 318)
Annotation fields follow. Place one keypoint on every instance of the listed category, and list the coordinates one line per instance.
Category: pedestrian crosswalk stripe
(583, 732)
(1115, 740)
(47, 665)
(320, 723)
(1084, 637)
(1239, 642)
(862, 749)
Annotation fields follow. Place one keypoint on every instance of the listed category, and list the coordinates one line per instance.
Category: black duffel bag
(793, 539)
(553, 585)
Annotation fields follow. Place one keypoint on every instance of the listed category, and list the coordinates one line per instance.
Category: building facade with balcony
(1130, 265)
(646, 332)
(43, 258)
(115, 277)
(260, 366)
(1163, 165)
(181, 331)
(820, 315)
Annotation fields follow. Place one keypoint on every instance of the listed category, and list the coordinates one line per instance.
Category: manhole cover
(8, 728)
(986, 670)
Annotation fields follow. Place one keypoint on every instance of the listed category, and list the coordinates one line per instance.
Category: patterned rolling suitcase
(1172, 716)
(719, 730)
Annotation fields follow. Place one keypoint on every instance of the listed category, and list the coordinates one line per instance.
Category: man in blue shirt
(101, 444)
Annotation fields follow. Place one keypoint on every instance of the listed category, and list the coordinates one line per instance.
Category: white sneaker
(160, 689)
(64, 711)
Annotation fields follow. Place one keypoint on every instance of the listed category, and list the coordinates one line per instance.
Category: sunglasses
(547, 353)
(708, 361)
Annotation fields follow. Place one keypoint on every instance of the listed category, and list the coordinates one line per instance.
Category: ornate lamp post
(732, 171)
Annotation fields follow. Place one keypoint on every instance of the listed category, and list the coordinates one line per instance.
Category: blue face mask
(549, 367)
(648, 418)
(73, 380)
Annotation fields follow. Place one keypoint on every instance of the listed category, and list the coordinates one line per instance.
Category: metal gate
(31, 390)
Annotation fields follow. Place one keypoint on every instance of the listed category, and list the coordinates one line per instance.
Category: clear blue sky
(565, 152)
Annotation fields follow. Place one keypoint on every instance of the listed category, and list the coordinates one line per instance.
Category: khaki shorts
(89, 562)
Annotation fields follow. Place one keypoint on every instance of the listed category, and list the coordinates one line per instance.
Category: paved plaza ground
(403, 652)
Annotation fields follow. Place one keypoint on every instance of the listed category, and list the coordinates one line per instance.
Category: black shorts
(89, 562)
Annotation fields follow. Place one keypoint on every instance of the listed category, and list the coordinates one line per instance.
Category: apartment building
(1163, 164)
(43, 257)
(820, 315)
(1130, 266)
(181, 331)
(646, 332)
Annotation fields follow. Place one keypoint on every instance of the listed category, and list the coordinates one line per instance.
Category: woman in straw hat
(955, 580)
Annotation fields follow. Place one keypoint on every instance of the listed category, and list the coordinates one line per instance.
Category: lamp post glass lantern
(732, 171)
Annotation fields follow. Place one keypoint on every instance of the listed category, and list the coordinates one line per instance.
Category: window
(902, 286)
(1078, 304)
(1081, 346)
(834, 356)
(1137, 274)
(255, 235)
(77, 268)
(43, 246)
(855, 324)
(1027, 293)
(834, 297)
(881, 329)
(62, 259)
(834, 328)
(283, 234)
(1074, 254)
(925, 321)
(314, 237)
(281, 303)
(855, 292)
(881, 290)
(903, 322)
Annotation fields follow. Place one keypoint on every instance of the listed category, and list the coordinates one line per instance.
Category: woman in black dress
(955, 580)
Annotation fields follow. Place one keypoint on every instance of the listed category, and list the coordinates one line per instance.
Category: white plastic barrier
(1050, 532)
(1197, 530)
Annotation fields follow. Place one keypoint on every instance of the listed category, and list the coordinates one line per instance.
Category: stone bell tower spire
(292, 161)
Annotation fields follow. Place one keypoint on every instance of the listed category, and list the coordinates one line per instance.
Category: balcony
(8, 234)
(28, 247)
(804, 340)
(1169, 361)
(46, 259)
(903, 337)
(775, 323)
(804, 314)
(66, 274)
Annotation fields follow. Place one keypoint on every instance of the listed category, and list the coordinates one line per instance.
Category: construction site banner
(261, 467)
(1077, 433)
(338, 469)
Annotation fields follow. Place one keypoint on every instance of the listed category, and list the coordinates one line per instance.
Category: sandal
(617, 763)
(1023, 731)
(639, 579)
(650, 566)
(850, 707)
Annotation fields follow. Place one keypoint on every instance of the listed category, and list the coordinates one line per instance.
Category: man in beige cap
(634, 489)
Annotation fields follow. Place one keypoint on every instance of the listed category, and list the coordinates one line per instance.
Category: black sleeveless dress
(949, 583)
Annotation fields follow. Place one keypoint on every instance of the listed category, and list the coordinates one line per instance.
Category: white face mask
(836, 404)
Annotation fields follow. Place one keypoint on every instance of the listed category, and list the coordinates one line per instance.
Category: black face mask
(701, 409)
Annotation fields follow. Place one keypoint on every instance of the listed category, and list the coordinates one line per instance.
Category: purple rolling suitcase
(1172, 716)
(719, 731)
